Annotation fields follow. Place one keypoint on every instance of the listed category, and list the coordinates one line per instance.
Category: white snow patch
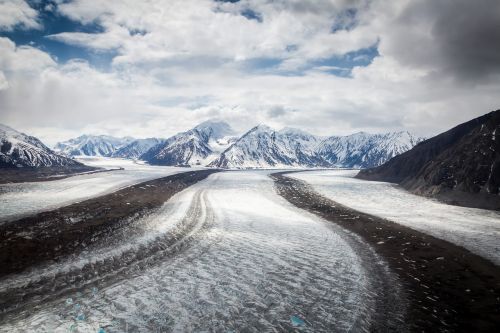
(28, 198)
(474, 229)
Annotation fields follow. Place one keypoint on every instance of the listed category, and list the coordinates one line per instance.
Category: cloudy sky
(155, 67)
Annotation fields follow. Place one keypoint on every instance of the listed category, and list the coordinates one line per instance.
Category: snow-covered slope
(137, 148)
(263, 147)
(197, 146)
(364, 150)
(477, 230)
(92, 145)
(212, 143)
(20, 150)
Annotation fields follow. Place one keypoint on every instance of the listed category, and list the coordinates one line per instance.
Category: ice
(297, 321)
(255, 263)
(474, 229)
(17, 200)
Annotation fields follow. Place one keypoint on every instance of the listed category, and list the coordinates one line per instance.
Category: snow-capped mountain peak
(363, 150)
(197, 146)
(213, 143)
(136, 148)
(92, 145)
(262, 146)
(215, 129)
(20, 150)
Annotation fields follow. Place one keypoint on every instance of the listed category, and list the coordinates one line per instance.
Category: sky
(331, 67)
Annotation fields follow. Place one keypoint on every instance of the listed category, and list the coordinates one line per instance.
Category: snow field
(477, 230)
(256, 263)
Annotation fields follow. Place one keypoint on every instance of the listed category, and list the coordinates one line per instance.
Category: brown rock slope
(460, 166)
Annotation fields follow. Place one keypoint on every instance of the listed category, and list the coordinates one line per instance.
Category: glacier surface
(256, 264)
(20, 199)
(474, 229)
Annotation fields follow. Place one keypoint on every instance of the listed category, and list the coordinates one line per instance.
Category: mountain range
(18, 150)
(460, 166)
(198, 146)
(215, 144)
(92, 145)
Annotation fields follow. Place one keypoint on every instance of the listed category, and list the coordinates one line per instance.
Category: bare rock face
(461, 165)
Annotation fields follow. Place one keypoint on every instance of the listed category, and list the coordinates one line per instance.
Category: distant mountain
(92, 145)
(20, 150)
(363, 150)
(214, 144)
(460, 166)
(197, 146)
(263, 147)
(137, 148)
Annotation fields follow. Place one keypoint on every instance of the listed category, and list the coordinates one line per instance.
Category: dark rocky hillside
(460, 166)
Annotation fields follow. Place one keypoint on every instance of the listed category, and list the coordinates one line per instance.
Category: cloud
(276, 111)
(177, 63)
(17, 13)
(4, 84)
(177, 28)
(22, 58)
(449, 38)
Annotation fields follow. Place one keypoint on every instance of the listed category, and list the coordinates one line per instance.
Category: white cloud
(178, 63)
(4, 84)
(22, 58)
(173, 28)
(17, 13)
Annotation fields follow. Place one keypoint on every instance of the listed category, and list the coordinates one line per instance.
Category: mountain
(460, 166)
(263, 147)
(20, 150)
(363, 150)
(92, 145)
(197, 146)
(137, 148)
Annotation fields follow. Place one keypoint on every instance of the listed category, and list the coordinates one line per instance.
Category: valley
(249, 249)
(249, 166)
(270, 230)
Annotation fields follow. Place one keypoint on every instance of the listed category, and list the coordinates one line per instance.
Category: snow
(136, 148)
(19, 149)
(255, 263)
(198, 146)
(263, 147)
(92, 145)
(215, 129)
(474, 229)
(361, 150)
(22, 199)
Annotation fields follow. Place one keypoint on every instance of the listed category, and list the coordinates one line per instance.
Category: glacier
(20, 199)
(477, 230)
(256, 262)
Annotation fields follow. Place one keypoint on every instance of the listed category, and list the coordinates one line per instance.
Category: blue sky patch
(251, 15)
(343, 65)
(54, 23)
